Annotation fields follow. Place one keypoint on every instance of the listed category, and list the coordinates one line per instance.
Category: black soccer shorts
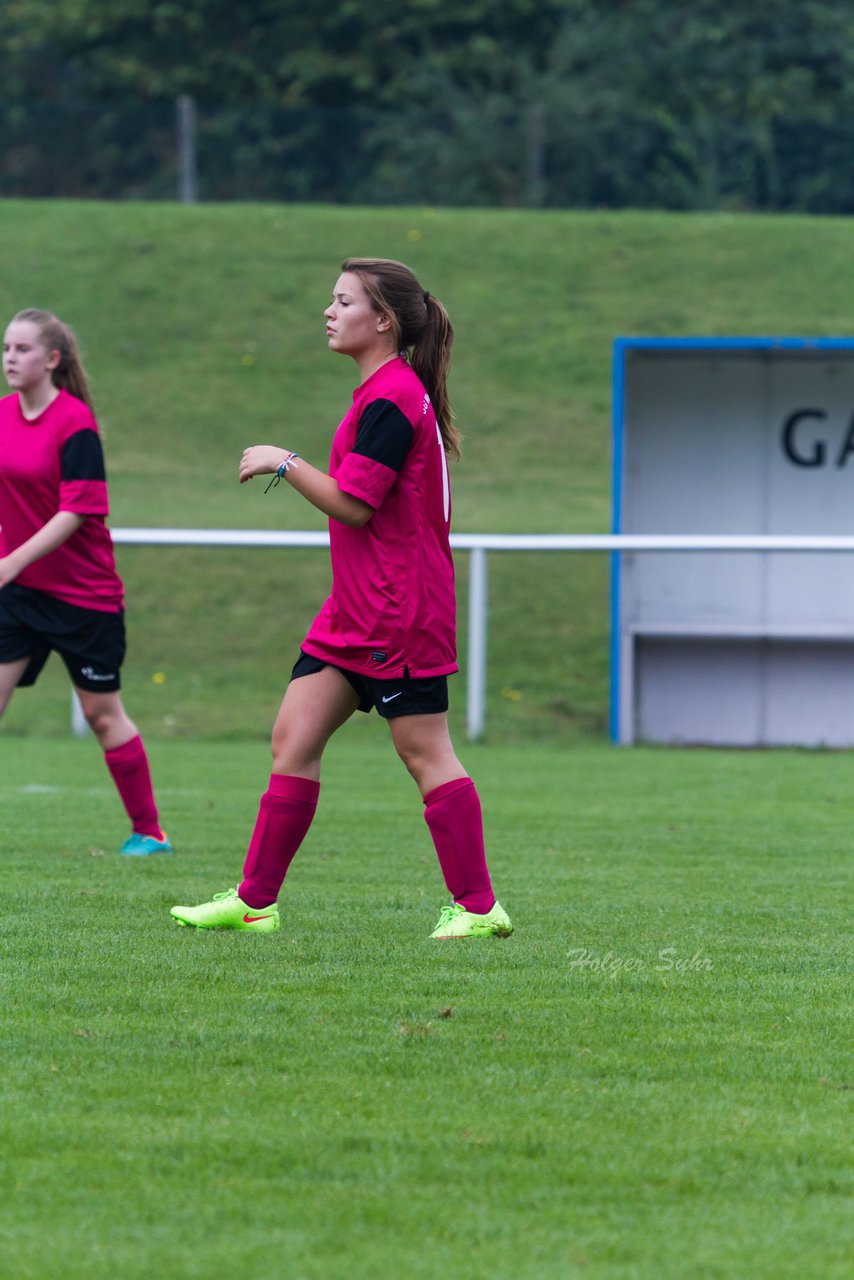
(401, 696)
(90, 642)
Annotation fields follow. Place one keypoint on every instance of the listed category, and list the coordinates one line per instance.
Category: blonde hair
(420, 326)
(69, 374)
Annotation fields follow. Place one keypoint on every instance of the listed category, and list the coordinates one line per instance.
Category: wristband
(286, 464)
(282, 470)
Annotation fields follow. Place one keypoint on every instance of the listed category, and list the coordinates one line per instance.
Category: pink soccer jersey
(393, 607)
(55, 463)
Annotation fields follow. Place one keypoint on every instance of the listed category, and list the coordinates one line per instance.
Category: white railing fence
(479, 545)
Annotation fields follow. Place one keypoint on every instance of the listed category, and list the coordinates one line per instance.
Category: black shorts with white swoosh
(403, 696)
(91, 642)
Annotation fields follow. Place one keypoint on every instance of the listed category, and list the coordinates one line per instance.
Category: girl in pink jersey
(59, 589)
(385, 638)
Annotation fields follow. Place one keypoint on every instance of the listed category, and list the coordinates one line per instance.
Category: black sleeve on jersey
(384, 434)
(82, 457)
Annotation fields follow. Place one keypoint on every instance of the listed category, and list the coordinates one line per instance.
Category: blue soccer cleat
(137, 846)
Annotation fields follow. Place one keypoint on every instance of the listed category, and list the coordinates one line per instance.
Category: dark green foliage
(654, 103)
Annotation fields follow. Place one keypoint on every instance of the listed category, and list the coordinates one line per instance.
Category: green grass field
(650, 1079)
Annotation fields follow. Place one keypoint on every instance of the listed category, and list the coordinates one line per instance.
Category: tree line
(675, 104)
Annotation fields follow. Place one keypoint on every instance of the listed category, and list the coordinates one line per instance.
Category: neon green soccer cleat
(456, 922)
(227, 911)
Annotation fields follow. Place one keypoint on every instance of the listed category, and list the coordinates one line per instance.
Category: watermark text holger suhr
(610, 964)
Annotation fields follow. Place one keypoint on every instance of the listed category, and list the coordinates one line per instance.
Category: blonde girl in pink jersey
(59, 589)
(385, 638)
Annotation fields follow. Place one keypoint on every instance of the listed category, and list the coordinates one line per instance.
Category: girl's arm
(320, 489)
(50, 536)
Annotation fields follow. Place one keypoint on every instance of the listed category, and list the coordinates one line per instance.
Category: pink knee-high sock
(284, 816)
(128, 766)
(453, 814)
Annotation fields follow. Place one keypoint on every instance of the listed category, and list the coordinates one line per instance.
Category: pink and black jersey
(393, 604)
(55, 463)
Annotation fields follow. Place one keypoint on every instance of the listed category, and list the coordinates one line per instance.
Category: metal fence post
(476, 690)
(185, 121)
(535, 177)
(79, 727)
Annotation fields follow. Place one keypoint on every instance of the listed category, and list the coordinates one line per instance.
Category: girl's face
(27, 363)
(353, 327)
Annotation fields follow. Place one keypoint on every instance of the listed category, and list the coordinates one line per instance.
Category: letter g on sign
(816, 457)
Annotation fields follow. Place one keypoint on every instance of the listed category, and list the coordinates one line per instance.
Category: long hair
(420, 327)
(56, 336)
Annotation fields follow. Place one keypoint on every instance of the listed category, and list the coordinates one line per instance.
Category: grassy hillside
(203, 333)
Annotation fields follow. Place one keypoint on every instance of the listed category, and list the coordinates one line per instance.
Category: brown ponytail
(421, 327)
(69, 374)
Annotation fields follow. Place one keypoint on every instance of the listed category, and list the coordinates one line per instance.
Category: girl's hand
(261, 460)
